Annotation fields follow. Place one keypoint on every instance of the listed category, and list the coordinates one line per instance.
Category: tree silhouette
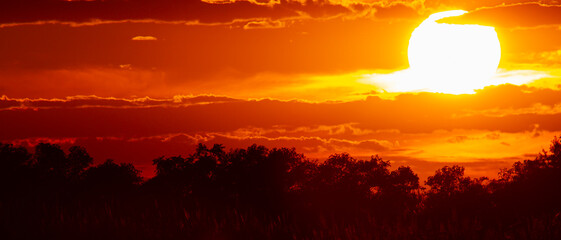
(454, 198)
(78, 160)
(534, 184)
(13, 157)
(15, 174)
(260, 176)
(401, 194)
(448, 180)
(405, 180)
(50, 160)
(256, 191)
(111, 178)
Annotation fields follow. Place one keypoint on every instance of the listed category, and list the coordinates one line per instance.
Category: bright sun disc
(453, 58)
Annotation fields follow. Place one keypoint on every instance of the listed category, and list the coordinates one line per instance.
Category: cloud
(535, 109)
(504, 108)
(524, 15)
(443, 5)
(166, 10)
(93, 101)
(95, 22)
(458, 139)
(144, 38)
(88, 13)
(550, 58)
(396, 11)
(263, 24)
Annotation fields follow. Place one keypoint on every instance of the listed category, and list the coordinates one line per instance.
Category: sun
(452, 58)
(449, 58)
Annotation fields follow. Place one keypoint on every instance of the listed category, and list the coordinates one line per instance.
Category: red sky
(135, 80)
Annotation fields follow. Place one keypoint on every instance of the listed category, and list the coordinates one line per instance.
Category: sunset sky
(133, 80)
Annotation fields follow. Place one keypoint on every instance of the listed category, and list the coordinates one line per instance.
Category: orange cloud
(92, 101)
(396, 11)
(264, 24)
(514, 111)
(522, 15)
(166, 10)
(144, 38)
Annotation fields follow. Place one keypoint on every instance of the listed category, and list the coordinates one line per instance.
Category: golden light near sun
(453, 58)
(448, 58)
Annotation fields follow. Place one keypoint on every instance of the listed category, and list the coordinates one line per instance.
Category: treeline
(260, 193)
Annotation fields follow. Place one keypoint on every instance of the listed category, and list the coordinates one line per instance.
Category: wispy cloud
(144, 38)
(266, 23)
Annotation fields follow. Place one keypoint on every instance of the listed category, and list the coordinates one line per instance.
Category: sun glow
(447, 58)
(453, 58)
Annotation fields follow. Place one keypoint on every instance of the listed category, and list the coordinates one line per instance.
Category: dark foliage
(260, 193)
